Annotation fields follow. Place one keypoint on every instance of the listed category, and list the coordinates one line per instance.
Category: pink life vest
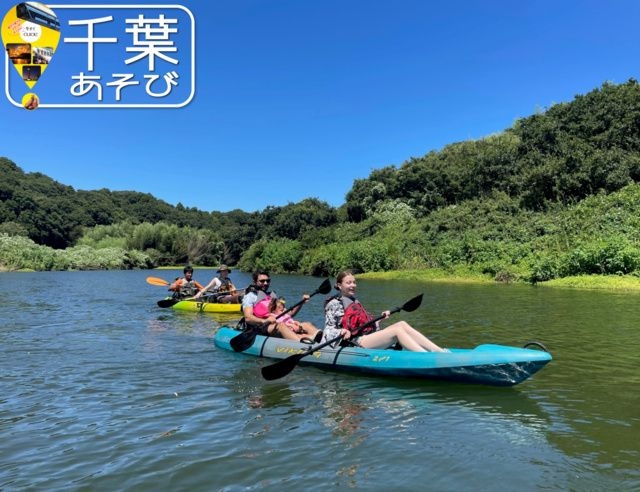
(261, 308)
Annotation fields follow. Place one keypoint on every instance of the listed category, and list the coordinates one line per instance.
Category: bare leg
(282, 330)
(401, 332)
(308, 329)
(387, 337)
(418, 337)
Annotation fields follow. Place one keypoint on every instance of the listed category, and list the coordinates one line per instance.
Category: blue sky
(296, 99)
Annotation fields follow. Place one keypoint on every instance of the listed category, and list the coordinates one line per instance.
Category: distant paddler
(186, 286)
(222, 287)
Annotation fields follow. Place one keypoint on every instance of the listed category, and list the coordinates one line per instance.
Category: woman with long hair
(340, 313)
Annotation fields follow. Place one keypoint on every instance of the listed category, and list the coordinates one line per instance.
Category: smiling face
(347, 285)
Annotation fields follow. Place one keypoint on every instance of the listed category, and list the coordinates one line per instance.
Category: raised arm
(210, 286)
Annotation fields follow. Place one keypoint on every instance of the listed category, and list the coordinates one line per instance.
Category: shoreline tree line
(556, 194)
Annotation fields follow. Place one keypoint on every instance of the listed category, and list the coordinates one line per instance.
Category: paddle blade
(285, 366)
(281, 368)
(244, 340)
(412, 304)
(167, 303)
(157, 281)
(325, 287)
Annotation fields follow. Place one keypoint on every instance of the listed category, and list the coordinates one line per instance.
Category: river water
(103, 390)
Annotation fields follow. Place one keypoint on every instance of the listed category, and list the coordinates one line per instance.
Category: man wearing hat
(221, 285)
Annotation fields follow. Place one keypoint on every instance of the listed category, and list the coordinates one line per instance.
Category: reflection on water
(108, 392)
(344, 413)
(359, 415)
(274, 396)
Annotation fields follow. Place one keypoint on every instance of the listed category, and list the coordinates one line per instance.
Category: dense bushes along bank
(20, 253)
(490, 239)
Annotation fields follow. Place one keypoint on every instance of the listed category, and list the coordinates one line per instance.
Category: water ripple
(112, 393)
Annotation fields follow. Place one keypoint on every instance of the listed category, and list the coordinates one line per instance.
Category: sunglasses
(264, 281)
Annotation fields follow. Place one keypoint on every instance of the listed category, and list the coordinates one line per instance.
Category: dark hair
(257, 273)
(188, 268)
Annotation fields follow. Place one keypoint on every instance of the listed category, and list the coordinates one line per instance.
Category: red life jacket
(355, 315)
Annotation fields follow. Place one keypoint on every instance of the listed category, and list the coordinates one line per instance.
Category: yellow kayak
(201, 306)
(207, 307)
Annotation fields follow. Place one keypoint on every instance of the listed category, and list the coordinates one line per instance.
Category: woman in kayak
(344, 314)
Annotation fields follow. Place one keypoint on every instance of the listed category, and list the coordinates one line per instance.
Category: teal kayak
(489, 364)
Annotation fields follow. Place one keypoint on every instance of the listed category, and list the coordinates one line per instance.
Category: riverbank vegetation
(556, 196)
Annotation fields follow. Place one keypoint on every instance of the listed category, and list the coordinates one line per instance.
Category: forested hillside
(54, 215)
(556, 194)
(563, 155)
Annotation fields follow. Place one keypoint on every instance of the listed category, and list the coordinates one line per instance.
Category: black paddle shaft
(285, 366)
(167, 303)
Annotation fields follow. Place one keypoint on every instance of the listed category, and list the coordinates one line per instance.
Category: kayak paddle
(283, 367)
(167, 303)
(213, 298)
(244, 340)
(160, 282)
(216, 296)
(157, 281)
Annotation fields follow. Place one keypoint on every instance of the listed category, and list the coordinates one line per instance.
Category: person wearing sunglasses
(255, 308)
